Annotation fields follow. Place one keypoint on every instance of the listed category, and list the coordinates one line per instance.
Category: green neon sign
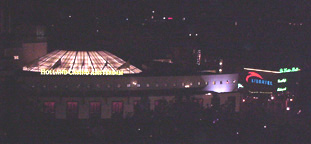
(284, 80)
(240, 85)
(281, 89)
(286, 70)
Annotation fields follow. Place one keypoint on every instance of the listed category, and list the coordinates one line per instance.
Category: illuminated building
(101, 96)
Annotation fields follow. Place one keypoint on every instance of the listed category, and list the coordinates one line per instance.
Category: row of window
(135, 84)
(72, 108)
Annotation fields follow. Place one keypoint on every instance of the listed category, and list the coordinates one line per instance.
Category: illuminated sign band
(281, 89)
(257, 81)
(284, 80)
(81, 72)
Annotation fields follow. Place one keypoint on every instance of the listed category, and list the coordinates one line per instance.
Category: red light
(170, 18)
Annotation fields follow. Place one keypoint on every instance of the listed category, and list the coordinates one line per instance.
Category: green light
(240, 85)
(286, 70)
(284, 80)
(281, 89)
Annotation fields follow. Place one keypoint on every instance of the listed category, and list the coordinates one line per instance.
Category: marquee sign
(284, 80)
(258, 79)
(80, 72)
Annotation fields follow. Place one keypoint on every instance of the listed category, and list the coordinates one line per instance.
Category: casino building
(117, 90)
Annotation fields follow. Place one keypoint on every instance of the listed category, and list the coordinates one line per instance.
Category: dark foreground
(183, 125)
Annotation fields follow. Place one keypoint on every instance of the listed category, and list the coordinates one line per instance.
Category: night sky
(261, 34)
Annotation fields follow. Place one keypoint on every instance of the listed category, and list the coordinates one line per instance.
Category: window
(94, 107)
(72, 110)
(49, 107)
(117, 107)
(16, 57)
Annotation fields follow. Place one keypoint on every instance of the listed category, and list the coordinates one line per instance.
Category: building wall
(128, 104)
(27, 53)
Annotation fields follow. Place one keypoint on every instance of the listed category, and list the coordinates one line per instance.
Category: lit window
(220, 82)
(94, 108)
(138, 85)
(214, 82)
(49, 107)
(16, 57)
(199, 83)
(128, 85)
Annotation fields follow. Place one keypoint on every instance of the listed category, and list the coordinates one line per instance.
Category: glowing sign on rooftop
(286, 70)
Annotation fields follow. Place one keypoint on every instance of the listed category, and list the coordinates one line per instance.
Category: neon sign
(281, 89)
(286, 70)
(284, 80)
(257, 81)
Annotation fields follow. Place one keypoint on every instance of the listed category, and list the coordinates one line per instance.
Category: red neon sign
(253, 74)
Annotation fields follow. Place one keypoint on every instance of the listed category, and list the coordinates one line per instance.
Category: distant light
(150, 136)
(16, 57)
(290, 23)
(69, 16)
(164, 17)
(134, 83)
(291, 100)
(287, 108)
(300, 23)
(264, 126)
(220, 70)
(196, 34)
(187, 86)
(189, 34)
(170, 18)
(299, 111)
(240, 85)
(152, 11)
(272, 98)
(235, 23)
(208, 94)
(138, 129)
(152, 17)
(237, 133)
(183, 18)
(126, 18)
(243, 100)
(220, 63)
(97, 30)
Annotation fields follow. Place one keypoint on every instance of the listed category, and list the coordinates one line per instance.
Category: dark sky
(255, 32)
